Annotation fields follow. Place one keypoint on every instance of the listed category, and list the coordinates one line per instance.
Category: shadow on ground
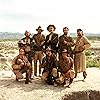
(83, 95)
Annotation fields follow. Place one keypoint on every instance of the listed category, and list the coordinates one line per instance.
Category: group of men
(61, 63)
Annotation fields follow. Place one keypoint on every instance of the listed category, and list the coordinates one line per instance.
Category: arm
(54, 40)
(87, 43)
(71, 42)
(43, 40)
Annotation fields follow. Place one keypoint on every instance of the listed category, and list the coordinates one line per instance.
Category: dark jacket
(49, 64)
(53, 42)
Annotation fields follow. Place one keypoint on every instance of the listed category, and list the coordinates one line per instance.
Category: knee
(54, 72)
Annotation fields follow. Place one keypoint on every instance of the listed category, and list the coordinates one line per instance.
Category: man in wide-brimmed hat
(82, 44)
(52, 38)
(39, 40)
(66, 67)
(50, 64)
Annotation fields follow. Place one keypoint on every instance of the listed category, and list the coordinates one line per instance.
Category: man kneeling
(50, 64)
(65, 65)
(20, 65)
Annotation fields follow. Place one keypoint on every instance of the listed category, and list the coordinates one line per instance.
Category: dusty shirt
(39, 40)
(65, 64)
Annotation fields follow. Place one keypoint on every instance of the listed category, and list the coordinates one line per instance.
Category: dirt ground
(38, 90)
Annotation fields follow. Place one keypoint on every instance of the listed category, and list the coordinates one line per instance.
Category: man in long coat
(82, 44)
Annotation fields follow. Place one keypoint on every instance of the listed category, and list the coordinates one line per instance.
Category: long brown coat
(82, 44)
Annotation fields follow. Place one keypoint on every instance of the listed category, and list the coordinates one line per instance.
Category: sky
(21, 15)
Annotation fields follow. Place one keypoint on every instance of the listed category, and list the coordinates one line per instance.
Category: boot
(75, 75)
(84, 74)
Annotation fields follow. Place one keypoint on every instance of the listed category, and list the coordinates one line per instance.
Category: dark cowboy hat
(64, 51)
(51, 26)
(39, 28)
(79, 30)
(65, 28)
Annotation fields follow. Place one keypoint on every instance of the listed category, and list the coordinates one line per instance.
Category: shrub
(92, 63)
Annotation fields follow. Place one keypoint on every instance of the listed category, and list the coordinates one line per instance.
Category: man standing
(50, 64)
(20, 65)
(26, 44)
(82, 43)
(39, 40)
(66, 42)
(52, 38)
(66, 67)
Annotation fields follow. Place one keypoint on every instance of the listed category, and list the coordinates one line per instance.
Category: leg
(40, 60)
(54, 74)
(35, 64)
(27, 77)
(44, 76)
(29, 56)
(75, 75)
(84, 74)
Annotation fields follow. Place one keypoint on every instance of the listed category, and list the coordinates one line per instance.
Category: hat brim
(64, 52)
(40, 29)
(48, 50)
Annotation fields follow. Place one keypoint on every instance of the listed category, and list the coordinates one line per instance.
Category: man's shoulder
(61, 36)
(55, 34)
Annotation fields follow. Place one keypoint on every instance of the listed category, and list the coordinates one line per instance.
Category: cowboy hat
(51, 26)
(39, 28)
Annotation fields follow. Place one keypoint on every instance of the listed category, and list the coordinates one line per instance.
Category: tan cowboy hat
(49, 49)
(64, 51)
(39, 28)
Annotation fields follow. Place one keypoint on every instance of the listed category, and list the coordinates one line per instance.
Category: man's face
(51, 29)
(48, 53)
(39, 31)
(79, 33)
(21, 52)
(65, 31)
(27, 34)
(64, 54)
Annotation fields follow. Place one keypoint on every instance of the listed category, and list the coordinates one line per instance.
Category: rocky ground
(38, 90)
